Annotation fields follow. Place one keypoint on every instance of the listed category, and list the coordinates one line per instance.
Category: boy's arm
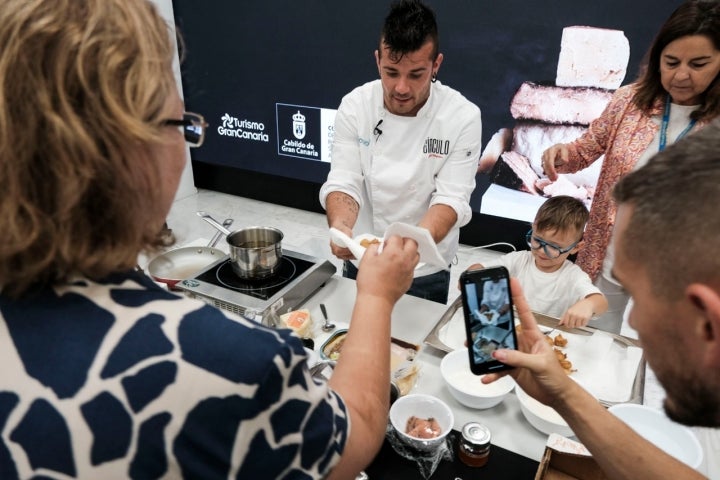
(579, 314)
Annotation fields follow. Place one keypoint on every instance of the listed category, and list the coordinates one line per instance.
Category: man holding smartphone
(668, 258)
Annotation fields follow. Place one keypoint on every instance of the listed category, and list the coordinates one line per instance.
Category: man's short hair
(409, 25)
(562, 214)
(674, 230)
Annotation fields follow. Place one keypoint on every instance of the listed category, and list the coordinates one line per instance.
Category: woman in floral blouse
(677, 94)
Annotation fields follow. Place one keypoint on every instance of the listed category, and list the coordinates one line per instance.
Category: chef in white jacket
(405, 148)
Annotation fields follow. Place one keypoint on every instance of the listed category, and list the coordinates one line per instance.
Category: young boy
(554, 285)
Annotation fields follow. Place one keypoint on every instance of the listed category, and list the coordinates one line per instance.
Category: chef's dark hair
(408, 26)
(674, 226)
(694, 17)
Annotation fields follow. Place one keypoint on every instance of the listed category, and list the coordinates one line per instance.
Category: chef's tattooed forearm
(344, 200)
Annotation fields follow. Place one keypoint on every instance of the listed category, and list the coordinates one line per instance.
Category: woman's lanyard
(664, 126)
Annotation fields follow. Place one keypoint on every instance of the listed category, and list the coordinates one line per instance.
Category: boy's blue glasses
(552, 251)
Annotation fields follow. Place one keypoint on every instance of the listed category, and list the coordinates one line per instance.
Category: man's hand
(342, 253)
(538, 372)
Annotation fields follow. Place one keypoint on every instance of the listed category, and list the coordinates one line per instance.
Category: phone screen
(488, 311)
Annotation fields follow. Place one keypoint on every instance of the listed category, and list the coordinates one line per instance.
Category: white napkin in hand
(342, 240)
(427, 247)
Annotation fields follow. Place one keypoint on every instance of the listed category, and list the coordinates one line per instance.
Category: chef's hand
(537, 371)
(553, 157)
(342, 253)
(389, 274)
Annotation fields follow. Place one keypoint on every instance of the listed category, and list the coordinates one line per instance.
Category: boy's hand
(578, 315)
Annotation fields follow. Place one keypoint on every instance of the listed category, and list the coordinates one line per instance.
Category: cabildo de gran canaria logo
(242, 128)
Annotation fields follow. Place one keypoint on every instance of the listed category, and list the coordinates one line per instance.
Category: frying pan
(176, 265)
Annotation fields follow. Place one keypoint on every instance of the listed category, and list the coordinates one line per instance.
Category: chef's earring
(434, 77)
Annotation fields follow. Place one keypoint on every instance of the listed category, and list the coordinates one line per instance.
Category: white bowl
(466, 387)
(421, 406)
(542, 417)
(651, 424)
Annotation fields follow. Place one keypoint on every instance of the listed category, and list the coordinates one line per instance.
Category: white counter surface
(412, 320)
(307, 232)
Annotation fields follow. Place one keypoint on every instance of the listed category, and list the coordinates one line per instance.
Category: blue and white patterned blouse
(123, 379)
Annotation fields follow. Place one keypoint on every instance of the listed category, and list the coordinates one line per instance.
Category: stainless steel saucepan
(255, 252)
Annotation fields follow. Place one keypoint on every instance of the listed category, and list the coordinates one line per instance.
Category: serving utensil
(327, 326)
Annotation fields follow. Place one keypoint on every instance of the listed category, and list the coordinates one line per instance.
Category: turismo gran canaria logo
(242, 128)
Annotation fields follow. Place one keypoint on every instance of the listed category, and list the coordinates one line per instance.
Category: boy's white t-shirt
(548, 293)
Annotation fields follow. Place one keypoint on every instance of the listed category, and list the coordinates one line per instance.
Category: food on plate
(299, 321)
(405, 379)
(366, 242)
(332, 348)
(403, 368)
(423, 428)
(564, 362)
(560, 341)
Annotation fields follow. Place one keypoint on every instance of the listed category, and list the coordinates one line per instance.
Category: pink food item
(562, 186)
(499, 143)
(514, 171)
(423, 428)
(559, 105)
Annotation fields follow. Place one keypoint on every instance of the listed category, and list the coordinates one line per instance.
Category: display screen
(488, 313)
(268, 77)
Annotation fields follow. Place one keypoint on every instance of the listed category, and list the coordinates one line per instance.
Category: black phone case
(482, 335)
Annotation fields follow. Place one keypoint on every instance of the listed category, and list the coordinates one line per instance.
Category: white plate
(672, 438)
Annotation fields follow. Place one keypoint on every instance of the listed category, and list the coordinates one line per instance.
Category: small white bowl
(421, 406)
(466, 387)
(542, 417)
(672, 438)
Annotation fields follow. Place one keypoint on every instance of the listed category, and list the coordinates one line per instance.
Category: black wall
(244, 57)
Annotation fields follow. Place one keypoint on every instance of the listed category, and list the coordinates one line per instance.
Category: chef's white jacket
(396, 169)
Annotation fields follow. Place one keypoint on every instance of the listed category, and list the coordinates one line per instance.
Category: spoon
(327, 326)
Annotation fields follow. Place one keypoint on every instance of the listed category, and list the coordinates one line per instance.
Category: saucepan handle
(206, 216)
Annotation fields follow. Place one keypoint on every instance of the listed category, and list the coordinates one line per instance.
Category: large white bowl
(674, 439)
(421, 406)
(466, 387)
(542, 417)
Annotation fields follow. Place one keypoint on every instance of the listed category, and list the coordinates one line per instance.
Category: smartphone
(488, 311)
